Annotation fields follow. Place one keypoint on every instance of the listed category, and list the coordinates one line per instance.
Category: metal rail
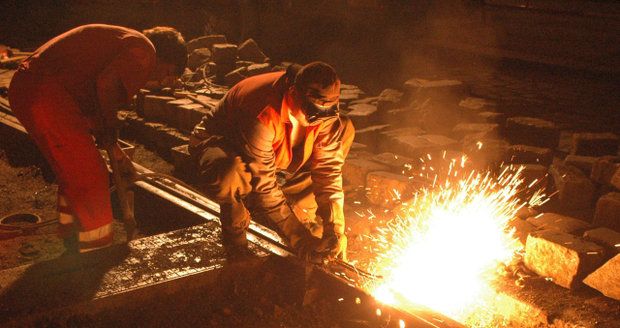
(180, 194)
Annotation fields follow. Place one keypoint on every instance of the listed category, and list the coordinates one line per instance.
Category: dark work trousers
(224, 177)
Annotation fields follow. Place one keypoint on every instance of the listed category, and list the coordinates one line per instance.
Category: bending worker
(70, 89)
(273, 149)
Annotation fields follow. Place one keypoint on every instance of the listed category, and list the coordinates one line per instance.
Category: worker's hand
(306, 249)
(128, 171)
(333, 245)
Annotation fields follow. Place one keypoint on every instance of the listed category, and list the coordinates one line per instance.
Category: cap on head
(169, 46)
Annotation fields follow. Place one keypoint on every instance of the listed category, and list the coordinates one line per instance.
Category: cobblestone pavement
(578, 101)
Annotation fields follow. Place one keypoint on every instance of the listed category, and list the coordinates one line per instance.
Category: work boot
(96, 238)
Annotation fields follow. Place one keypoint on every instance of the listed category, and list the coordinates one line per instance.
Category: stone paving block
(462, 129)
(370, 136)
(422, 145)
(594, 144)
(606, 170)
(532, 131)
(472, 106)
(355, 171)
(224, 53)
(575, 190)
(181, 159)
(256, 69)
(558, 222)
(526, 212)
(605, 237)
(174, 115)
(350, 93)
(387, 189)
(562, 257)
(397, 163)
(196, 113)
(606, 279)
(483, 152)
(389, 99)
(534, 176)
(139, 101)
(522, 229)
(365, 100)
(584, 163)
(150, 131)
(419, 89)
(363, 115)
(155, 107)
(235, 76)
(491, 117)
(167, 138)
(250, 51)
(357, 147)
(198, 57)
(607, 213)
(205, 42)
(402, 116)
(523, 154)
(188, 116)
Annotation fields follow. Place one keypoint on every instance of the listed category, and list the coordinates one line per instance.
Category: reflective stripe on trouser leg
(95, 238)
(66, 218)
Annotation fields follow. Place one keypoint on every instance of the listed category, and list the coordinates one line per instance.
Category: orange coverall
(58, 94)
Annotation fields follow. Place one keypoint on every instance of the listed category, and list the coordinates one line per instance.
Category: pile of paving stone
(572, 242)
(575, 239)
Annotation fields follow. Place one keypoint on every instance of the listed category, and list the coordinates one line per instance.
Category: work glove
(333, 245)
(304, 244)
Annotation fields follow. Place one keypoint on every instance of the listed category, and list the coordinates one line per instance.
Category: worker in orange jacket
(68, 90)
(273, 149)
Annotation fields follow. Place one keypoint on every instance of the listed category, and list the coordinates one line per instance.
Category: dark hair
(169, 46)
(316, 72)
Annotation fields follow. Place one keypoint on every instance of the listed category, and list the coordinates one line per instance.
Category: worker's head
(170, 51)
(315, 93)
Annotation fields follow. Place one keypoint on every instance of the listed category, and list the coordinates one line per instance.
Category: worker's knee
(224, 177)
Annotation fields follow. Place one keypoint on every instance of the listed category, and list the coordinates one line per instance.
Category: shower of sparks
(443, 249)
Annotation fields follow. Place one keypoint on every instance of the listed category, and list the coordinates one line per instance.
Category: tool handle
(125, 196)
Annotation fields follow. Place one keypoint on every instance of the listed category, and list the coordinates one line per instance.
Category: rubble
(606, 171)
(562, 257)
(255, 69)
(584, 163)
(370, 136)
(605, 237)
(386, 189)
(389, 99)
(575, 190)
(532, 132)
(523, 154)
(362, 115)
(155, 107)
(606, 279)
(607, 212)
(594, 144)
(484, 130)
(558, 222)
(198, 57)
(205, 42)
(250, 51)
(522, 229)
(355, 171)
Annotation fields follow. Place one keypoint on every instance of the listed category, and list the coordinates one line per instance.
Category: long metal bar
(269, 240)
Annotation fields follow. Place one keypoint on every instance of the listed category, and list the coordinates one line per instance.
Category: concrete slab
(109, 278)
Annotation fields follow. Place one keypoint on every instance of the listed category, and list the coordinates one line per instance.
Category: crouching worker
(70, 90)
(273, 149)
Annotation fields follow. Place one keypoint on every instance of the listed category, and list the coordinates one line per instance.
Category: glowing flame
(443, 249)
